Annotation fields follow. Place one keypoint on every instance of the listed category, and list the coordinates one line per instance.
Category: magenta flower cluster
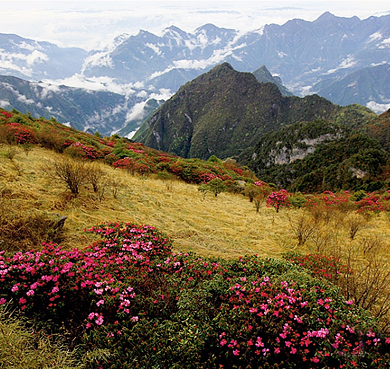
(278, 200)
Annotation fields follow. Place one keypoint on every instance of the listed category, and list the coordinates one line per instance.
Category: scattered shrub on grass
(354, 223)
(72, 173)
(303, 227)
(258, 201)
(251, 190)
(9, 153)
(96, 177)
(297, 201)
(215, 186)
(369, 282)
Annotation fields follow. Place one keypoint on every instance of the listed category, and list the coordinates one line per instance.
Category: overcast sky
(91, 24)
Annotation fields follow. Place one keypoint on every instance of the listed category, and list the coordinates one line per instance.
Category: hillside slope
(318, 156)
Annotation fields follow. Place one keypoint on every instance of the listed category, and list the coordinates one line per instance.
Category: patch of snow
(131, 134)
(346, 63)
(154, 48)
(374, 37)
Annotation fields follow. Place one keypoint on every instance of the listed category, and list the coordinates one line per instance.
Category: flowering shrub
(81, 150)
(20, 134)
(370, 204)
(120, 153)
(264, 324)
(328, 267)
(130, 294)
(133, 165)
(6, 114)
(330, 200)
(53, 283)
(278, 200)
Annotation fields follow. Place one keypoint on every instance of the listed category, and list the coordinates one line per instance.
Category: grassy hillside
(126, 296)
(220, 226)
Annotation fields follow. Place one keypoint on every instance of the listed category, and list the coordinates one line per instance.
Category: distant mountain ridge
(301, 53)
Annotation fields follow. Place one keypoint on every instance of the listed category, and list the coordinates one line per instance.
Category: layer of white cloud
(96, 84)
(136, 112)
(18, 95)
(20, 62)
(377, 107)
(385, 43)
(4, 103)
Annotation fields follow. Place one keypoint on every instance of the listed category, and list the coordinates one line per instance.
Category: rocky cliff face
(296, 151)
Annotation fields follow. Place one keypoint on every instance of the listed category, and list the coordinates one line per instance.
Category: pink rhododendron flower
(55, 289)
(91, 316)
(99, 320)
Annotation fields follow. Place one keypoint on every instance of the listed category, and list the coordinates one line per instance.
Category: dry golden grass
(225, 226)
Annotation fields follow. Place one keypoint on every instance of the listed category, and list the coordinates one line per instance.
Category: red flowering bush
(328, 267)
(6, 114)
(78, 149)
(370, 204)
(52, 284)
(19, 134)
(278, 200)
(329, 200)
(134, 165)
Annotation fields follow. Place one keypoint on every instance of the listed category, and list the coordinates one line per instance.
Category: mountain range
(345, 60)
